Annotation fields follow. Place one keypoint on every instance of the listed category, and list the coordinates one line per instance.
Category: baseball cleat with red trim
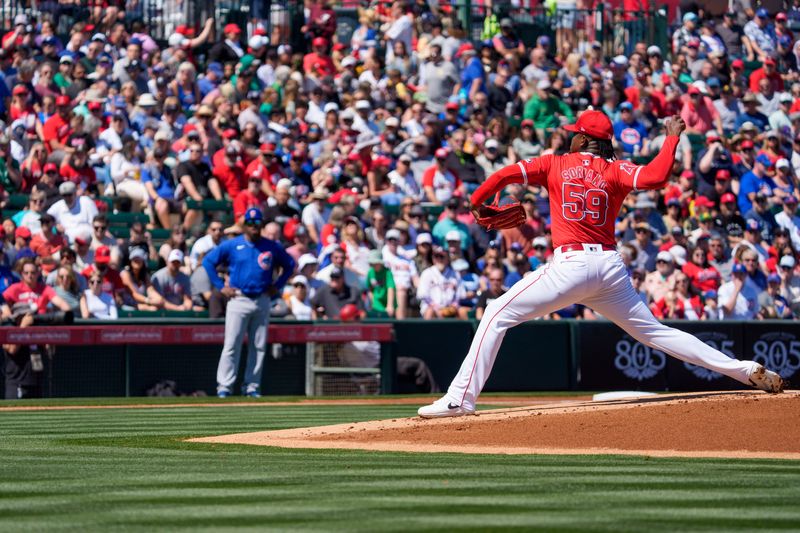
(766, 380)
(443, 408)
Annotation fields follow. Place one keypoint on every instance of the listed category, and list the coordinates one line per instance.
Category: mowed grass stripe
(129, 469)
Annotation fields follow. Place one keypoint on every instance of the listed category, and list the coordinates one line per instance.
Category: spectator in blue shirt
(754, 182)
(473, 77)
(629, 132)
(751, 114)
(160, 184)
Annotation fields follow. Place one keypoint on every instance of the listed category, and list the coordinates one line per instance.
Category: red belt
(580, 247)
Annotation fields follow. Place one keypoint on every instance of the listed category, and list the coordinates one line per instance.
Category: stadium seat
(126, 219)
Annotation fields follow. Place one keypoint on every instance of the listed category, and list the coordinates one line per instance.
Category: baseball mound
(712, 424)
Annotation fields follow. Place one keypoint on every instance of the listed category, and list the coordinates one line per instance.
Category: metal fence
(615, 29)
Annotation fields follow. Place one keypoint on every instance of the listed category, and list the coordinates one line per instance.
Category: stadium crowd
(362, 154)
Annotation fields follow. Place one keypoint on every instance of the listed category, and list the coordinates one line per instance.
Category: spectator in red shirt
(56, 129)
(31, 291)
(230, 173)
(47, 243)
(76, 168)
(252, 196)
(699, 113)
(112, 282)
(318, 61)
(267, 168)
(679, 301)
(767, 71)
(703, 276)
(439, 182)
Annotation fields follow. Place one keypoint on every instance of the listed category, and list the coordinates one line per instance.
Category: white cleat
(766, 380)
(443, 408)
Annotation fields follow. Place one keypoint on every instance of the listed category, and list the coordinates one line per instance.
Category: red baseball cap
(728, 198)
(94, 105)
(466, 47)
(267, 148)
(746, 144)
(231, 28)
(692, 90)
(723, 174)
(188, 128)
(184, 30)
(526, 122)
(688, 174)
(451, 105)
(19, 89)
(594, 124)
(102, 255)
(441, 153)
(22, 232)
(50, 166)
(63, 100)
(338, 46)
(299, 154)
(737, 63)
(230, 133)
(319, 41)
(382, 161)
(780, 16)
(703, 201)
(769, 61)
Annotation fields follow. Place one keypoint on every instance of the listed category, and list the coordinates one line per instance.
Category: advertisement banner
(776, 345)
(610, 359)
(723, 336)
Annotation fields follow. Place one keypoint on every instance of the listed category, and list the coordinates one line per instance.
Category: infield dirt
(713, 424)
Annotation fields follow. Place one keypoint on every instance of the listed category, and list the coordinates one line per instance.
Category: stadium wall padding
(538, 355)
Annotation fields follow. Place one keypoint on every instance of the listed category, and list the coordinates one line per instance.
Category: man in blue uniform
(251, 261)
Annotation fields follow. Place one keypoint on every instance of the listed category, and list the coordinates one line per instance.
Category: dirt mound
(723, 424)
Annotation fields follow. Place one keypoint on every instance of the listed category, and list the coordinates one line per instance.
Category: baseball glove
(494, 216)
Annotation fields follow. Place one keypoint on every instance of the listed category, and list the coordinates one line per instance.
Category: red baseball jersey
(586, 191)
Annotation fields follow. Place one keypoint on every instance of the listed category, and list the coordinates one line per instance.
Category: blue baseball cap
(762, 13)
(690, 16)
(253, 215)
(713, 82)
(215, 67)
(710, 294)
(753, 225)
(773, 278)
(738, 268)
(764, 160)
(626, 105)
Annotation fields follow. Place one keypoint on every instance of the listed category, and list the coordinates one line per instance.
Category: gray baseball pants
(250, 315)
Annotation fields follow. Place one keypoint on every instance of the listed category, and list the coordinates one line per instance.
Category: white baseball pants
(599, 280)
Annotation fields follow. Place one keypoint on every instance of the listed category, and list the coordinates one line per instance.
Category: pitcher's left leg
(620, 303)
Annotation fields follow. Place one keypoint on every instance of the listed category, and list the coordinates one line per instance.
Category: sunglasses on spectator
(641, 230)
(252, 223)
(94, 282)
(100, 227)
(661, 261)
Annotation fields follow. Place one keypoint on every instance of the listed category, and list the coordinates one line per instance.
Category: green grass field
(128, 469)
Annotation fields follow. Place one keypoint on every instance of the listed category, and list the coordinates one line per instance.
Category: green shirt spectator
(544, 109)
(380, 284)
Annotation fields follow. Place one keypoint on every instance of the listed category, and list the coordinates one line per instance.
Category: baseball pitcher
(587, 188)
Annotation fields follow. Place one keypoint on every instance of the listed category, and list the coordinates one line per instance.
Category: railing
(615, 29)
